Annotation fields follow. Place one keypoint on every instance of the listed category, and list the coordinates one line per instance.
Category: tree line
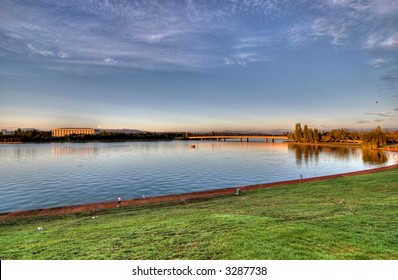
(32, 135)
(369, 139)
(37, 136)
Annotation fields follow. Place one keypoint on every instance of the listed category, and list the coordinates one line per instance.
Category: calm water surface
(46, 175)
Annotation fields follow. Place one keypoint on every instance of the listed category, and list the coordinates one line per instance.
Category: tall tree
(316, 135)
(306, 134)
(298, 133)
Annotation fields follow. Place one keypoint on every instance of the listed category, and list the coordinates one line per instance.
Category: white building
(7, 132)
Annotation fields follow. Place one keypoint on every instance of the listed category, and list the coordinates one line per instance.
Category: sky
(199, 65)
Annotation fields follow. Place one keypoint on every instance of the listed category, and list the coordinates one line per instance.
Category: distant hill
(30, 128)
(123, 130)
(12, 129)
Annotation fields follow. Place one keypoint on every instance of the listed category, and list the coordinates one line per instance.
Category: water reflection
(21, 153)
(305, 153)
(309, 154)
(73, 152)
(76, 173)
(372, 156)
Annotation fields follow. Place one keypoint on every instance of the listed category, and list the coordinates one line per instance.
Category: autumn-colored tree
(306, 134)
(374, 139)
(316, 135)
(298, 133)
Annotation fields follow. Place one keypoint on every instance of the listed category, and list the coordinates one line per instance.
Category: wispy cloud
(248, 50)
(140, 33)
(244, 58)
(389, 78)
(391, 42)
(385, 8)
(34, 50)
(255, 42)
(381, 114)
(62, 54)
(378, 62)
(334, 29)
(386, 116)
(189, 34)
(110, 61)
(382, 41)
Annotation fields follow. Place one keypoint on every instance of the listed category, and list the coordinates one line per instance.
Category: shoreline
(95, 207)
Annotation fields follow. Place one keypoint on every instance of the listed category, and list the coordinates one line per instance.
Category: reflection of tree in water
(372, 156)
(342, 153)
(306, 153)
(310, 153)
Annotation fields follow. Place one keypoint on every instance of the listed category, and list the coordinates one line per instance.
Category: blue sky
(199, 65)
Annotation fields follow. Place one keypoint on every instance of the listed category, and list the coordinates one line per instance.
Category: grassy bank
(348, 218)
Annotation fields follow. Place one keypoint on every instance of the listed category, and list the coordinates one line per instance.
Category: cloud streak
(381, 114)
(330, 28)
(379, 62)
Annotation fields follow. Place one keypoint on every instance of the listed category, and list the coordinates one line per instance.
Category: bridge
(241, 137)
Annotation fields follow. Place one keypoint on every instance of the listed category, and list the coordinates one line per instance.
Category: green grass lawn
(348, 218)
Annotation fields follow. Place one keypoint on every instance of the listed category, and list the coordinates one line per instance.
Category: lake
(59, 174)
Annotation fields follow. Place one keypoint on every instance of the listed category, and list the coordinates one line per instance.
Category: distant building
(60, 132)
(7, 132)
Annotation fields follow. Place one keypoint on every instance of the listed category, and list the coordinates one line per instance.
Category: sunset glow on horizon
(199, 65)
